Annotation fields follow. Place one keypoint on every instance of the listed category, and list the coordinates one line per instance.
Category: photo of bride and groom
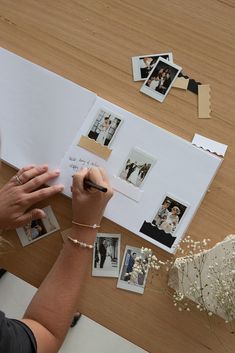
(136, 167)
(165, 221)
(104, 127)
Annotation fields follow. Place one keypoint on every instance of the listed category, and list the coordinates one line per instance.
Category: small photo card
(160, 80)
(106, 255)
(101, 133)
(39, 228)
(136, 167)
(163, 226)
(142, 65)
(104, 127)
(134, 271)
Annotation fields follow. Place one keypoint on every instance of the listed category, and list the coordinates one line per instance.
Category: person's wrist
(82, 232)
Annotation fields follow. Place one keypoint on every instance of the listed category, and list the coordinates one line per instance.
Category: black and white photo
(104, 127)
(136, 167)
(142, 65)
(163, 226)
(133, 273)
(106, 255)
(39, 228)
(159, 82)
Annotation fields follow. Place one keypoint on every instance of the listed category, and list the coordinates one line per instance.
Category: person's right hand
(89, 204)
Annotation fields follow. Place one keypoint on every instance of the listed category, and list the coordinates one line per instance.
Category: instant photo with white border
(160, 80)
(39, 228)
(142, 65)
(166, 220)
(106, 255)
(136, 167)
(104, 127)
(132, 281)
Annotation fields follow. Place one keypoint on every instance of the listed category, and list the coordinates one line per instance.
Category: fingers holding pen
(96, 176)
(78, 181)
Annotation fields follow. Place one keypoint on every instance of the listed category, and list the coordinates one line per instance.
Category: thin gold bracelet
(94, 226)
(80, 243)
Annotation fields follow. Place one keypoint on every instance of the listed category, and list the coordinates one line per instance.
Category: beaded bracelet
(94, 226)
(80, 243)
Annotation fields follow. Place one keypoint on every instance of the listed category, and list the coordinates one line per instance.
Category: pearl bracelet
(94, 226)
(80, 243)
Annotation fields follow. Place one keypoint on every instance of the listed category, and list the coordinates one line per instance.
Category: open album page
(159, 179)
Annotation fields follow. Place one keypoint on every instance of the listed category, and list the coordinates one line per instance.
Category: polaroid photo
(142, 65)
(136, 167)
(166, 220)
(39, 228)
(160, 80)
(106, 255)
(129, 279)
(101, 134)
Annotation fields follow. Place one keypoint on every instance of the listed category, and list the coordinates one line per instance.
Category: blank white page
(40, 112)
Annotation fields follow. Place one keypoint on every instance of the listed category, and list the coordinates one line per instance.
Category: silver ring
(18, 180)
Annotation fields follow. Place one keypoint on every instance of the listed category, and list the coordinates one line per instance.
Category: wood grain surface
(91, 43)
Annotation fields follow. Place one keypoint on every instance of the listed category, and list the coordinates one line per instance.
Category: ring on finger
(18, 180)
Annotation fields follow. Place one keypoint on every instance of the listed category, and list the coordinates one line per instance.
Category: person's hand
(21, 192)
(89, 204)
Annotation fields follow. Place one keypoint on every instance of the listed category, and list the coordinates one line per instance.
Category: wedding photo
(136, 167)
(104, 127)
(165, 221)
(159, 82)
(142, 65)
(39, 228)
(129, 279)
(106, 255)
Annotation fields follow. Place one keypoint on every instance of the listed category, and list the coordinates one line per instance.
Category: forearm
(55, 303)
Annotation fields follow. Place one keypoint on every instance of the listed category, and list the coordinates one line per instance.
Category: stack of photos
(160, 79)
(165, 222)
(104, 127)
(130, 278)
(106, 263)
(142, 65)
(136, 167)
(106, 255)
(39, 228)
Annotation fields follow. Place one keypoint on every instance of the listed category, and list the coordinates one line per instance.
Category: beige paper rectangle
(181, 83)
(94, 147)
(204, 96)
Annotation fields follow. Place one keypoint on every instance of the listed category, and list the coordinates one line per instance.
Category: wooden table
(91, 42)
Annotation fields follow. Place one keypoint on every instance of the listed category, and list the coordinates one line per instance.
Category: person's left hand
(21, 192)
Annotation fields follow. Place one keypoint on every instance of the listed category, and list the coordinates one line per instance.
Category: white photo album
(145, 163)
(141, 174)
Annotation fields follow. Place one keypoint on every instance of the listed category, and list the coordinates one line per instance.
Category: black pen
(89, 184)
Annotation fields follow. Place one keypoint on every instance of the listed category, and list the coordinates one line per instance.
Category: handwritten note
(77, 164)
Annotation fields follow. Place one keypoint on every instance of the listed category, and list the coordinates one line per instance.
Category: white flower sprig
(219, 287)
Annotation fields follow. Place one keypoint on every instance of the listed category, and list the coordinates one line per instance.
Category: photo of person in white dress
(136, 167)
(134, 175)
(104, 127)
(167, 219)
(168, 215)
